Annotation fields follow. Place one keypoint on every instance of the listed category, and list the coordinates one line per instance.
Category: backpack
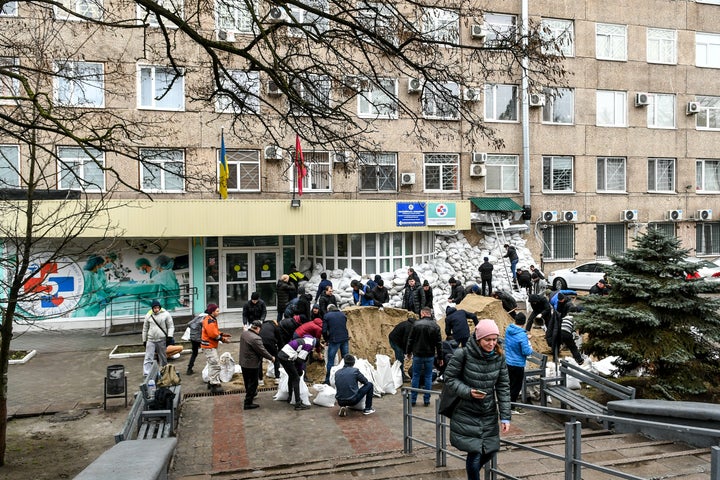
(168, 376)
(163, 399)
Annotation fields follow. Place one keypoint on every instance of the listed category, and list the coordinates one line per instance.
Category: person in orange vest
(211, 336)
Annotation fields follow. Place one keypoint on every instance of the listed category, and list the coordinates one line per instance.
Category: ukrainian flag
(223, 168)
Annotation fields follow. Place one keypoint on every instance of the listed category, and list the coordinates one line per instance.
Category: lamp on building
(295, 203)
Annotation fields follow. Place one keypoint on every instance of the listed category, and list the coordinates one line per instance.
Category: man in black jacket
(508, 302)
(398, 338)
(414, 297)
(541, 310)
(456, 324)
(253, 310)
(457, 292)
(486, 270)
(379, 294)
(425, 346)
(327, 298)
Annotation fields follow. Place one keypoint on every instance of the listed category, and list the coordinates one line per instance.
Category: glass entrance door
(249, 271)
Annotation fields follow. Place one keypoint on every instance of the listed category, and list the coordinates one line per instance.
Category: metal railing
(135, 308)
(572, 457)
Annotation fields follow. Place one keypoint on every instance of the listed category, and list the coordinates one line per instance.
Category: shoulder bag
(449, 400)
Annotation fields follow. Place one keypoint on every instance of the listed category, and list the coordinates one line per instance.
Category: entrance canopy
(495, 204)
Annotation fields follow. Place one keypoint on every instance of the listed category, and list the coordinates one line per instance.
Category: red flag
(299, 164)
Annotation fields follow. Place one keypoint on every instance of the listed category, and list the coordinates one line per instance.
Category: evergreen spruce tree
(654, 320)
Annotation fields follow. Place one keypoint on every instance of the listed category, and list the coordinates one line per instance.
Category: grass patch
(18, 354)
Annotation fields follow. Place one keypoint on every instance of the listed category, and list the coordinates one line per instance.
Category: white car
(709, 270)
(582, 277)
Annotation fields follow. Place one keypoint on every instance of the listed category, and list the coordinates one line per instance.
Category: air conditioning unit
(273, 88)
(479, 157)
(471, 94)
(674, 215)
(536, 100)
(341, 157)
(629, 216)
(705, 214)
(225, 36)
(477, 170)
(549, 216)
(570, 216)
(273, 152)
(277, 15)
(642, 99)
(692, 108)
(478, 31)
(407, 178)
(414, 85)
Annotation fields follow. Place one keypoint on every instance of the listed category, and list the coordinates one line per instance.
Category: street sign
(410, 214)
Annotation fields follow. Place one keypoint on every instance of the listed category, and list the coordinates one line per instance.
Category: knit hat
(452, 280)
(211, 308)
(255, 296)
(349, 360)
(485, 259)
(486, 327)
(381, 283)
(427, 284)
(155, 303)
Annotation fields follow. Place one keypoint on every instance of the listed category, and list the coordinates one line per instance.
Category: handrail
(573, 438)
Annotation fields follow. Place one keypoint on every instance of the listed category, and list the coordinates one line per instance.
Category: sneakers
(251, 406)
(301, 406)
(342, 412)
(368, 411)
(517, 411)
(261, 383)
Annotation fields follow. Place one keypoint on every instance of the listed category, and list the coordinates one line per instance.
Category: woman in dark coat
(479, 376)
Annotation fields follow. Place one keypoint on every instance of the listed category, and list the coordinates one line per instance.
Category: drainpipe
(525, 118)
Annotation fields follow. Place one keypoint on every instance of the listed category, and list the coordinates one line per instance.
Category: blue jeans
(365, 391)
(399, 352)
(473, 464)
(513, 266)
(333, 348)
(422, 366)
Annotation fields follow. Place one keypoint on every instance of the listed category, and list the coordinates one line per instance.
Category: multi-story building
(627, 141)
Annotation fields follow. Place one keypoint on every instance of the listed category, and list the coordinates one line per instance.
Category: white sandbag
(270, 370)
(397, 374)
(370, 373)
(384, 374)
(334, 369)
(304, 392)
(227, 367)
(238, 370)
(325, 395)
(205, 374)
(282, 393)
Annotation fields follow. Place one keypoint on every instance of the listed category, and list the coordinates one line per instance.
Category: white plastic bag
(282, 391)
(186, 336)
(397, 374)
(325, 395)
(370, 373)
(227, 367)
(384, 374)
(270, 371)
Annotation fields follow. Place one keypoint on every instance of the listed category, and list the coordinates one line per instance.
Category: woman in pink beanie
(479, 376)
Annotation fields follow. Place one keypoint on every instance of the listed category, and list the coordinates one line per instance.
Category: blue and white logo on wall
(441, 213)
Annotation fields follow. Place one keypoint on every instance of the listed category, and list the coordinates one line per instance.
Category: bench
(150, 461)
(533, 373)
(143, 423)
(557, 387)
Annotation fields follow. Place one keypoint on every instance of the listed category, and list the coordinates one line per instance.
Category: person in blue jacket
(517, 349)
(359, 294)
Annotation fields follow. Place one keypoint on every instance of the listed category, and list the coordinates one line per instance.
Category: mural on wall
(120, 281)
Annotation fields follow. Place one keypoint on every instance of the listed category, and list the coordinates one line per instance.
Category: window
(245, 86)
(661, 46)
(378, 171)
(379, 100)
(381, 18)
(611, 174)
(611, 108)
(707, 50)
(441, 172)
(661, 110)
(558, 242)
(314, 90)
(233, 16)
(667, 228)
(501, 103)
(81, 169)
(559, 106)
(441, 25)
(610, 41)
(557, 174)
(311, 22)
(499, 28)
(9, 166)
(707, 238)
(9, 87)
(79, 84)
(161, 88)
(148, 18)
(661, 175)
(83, 8)
(562, 33)
(9, 9)
(319, 176)
(708, 118)
(162, 171)
(610, 239)
(243, 170)
(503, 173)
(441, 101)
(707, 175)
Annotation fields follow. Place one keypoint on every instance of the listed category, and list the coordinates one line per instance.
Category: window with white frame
(381, 18)
(610, 41)
(314, 90)
(558, 242)
(149, 18)
(501, 103)
(661, 46)
(559, 106)
(707, 176)
(661, 175)
(379, 99)
(378, 172)
(318, 167)
(441, 101)
(81, 169)
(240, 93)
(9, 166)
(707, 238)
(233, 16)
(79, 84)
(311, 22)
(610, 240)
(666, 228)
(661, 110)
(611, 174)
(9, 9)
(160, 88)
(440, 171)
(561, 33)
(708, 117)
(503, 173)
(79, 10)
(9, 86)
(499, 28)
(243, 170)
(441, 25)
(162, 170)
(611, 108)
(707, 50)
(557, 174)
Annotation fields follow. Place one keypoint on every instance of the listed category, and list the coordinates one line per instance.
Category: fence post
(407, 422)
(715, 463)
(573, 450)
(440, 446)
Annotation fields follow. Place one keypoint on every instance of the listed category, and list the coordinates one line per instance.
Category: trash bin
(115, 379)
